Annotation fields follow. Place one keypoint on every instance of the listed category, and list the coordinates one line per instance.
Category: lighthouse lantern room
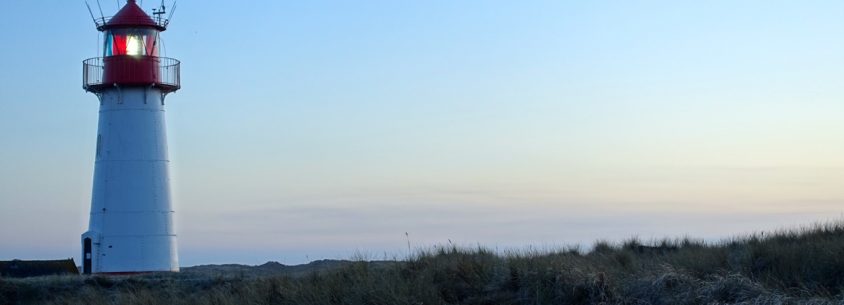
(131, 228)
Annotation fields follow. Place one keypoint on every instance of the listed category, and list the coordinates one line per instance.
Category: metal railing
(99, 73)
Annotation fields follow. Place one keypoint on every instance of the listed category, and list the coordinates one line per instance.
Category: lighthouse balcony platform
(102, 73)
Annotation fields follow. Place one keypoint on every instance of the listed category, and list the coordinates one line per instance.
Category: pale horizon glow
(318, 129)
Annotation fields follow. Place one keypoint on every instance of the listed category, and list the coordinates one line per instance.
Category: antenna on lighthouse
(100, 7)
(92, 13)
(158, 12)
(172, 10)
(95, 24)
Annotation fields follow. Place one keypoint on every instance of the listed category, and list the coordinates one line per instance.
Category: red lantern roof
(131, 16)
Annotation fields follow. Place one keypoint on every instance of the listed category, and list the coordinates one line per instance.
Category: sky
(308, 130)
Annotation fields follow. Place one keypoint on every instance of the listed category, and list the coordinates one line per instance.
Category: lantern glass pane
(133, 42)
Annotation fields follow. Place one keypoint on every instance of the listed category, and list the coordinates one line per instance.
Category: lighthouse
(130, 229)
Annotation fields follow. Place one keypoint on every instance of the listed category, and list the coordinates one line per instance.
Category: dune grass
(799, 266)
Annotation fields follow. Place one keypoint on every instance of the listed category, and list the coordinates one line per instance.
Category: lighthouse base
(128, 254)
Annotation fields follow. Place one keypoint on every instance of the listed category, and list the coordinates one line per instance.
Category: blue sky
(317, 129)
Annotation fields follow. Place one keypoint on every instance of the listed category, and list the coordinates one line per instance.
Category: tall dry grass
(800, 266)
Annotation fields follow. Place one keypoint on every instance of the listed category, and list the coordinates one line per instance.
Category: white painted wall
(131, 218)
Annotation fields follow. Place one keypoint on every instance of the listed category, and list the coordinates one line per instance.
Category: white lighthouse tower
(131, 223)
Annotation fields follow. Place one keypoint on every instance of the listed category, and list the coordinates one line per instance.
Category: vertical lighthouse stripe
(109, 44)
(119, 45)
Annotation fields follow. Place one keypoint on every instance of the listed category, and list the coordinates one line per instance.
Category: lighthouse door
(86, 261)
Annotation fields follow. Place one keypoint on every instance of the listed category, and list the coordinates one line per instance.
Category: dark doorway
(86, 261)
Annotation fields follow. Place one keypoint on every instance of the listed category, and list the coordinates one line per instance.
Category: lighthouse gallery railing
(168, 76)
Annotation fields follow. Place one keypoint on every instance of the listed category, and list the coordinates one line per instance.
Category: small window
(99, 145)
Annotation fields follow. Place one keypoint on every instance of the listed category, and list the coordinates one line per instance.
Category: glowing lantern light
(133, 46)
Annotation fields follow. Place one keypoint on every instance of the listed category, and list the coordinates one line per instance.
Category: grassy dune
(802, 266)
